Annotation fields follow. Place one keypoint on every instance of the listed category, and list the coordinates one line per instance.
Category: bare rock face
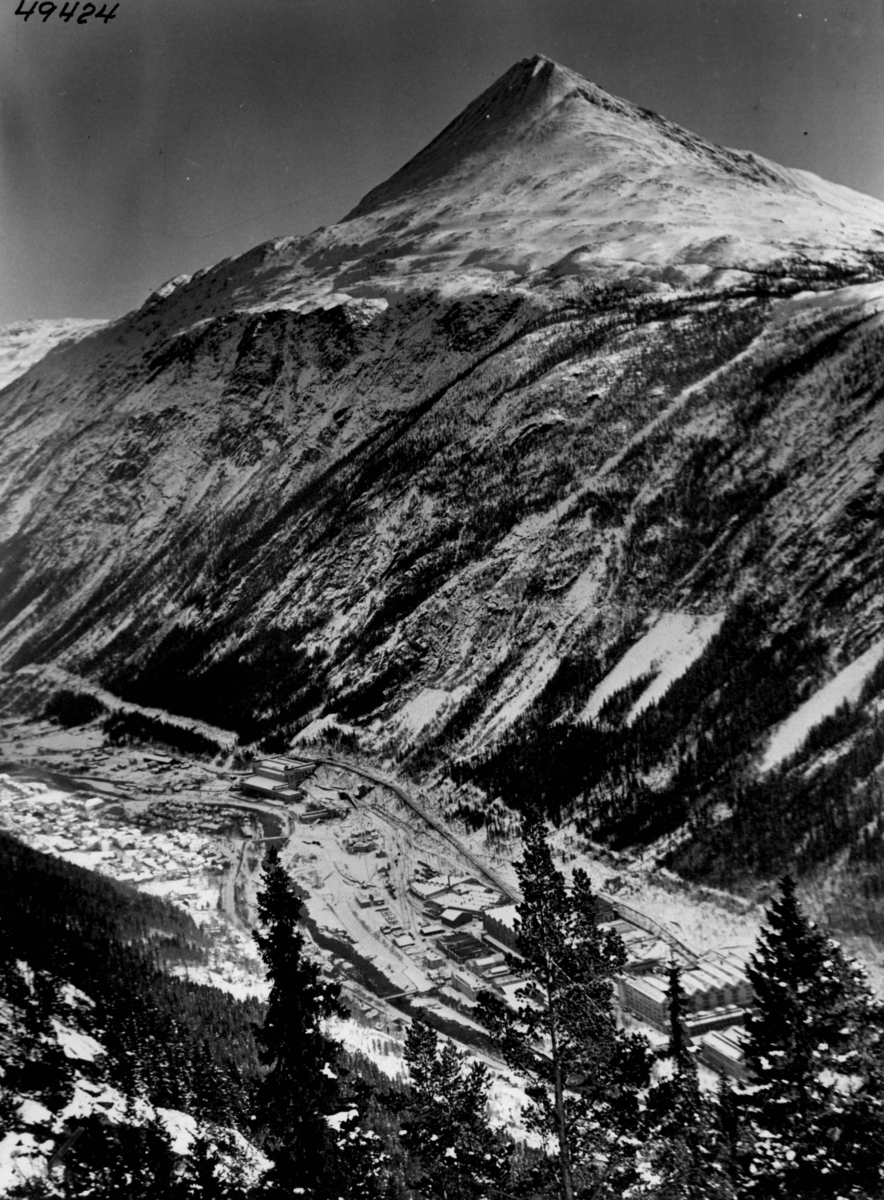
(572, 386)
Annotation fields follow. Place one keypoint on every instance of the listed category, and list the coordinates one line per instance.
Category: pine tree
(454, 1154)
(815, 1041)
(682, 1153)
(132, 1159)
(587, 1075)
(212, 1169)
(300, 1088)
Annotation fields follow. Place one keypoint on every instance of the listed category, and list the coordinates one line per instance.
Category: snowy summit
(547, 173)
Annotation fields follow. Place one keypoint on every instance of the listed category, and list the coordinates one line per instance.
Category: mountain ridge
(400, 481)
(567, 181)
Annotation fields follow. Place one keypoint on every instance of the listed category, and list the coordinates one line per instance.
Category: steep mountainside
(555, 466)
(25, 342)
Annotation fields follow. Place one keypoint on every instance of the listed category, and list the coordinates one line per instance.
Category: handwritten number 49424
(47, 8)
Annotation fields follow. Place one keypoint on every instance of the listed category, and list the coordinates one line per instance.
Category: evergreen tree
(454, 1154)
(682, 1155)
(727, 1130)
(300, 1089)
(116, 1161)
(211, 1170)
(587, 1075)
(814, 1049)
(363, 1166)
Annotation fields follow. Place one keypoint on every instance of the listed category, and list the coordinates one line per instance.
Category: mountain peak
(515, 102)
(539, 117)
(547, 172)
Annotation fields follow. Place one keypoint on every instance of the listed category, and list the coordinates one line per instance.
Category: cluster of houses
(82, 830)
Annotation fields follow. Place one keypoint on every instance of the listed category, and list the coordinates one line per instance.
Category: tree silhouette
(587, 1074)
(454, 1153)
(301, 1087)
(815, 1053)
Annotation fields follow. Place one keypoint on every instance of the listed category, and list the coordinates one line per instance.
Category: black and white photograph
(442, 599)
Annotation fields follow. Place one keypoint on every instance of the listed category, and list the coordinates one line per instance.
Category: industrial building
(722, 1050)
(463, 983)
(315, 813)
(716, 991)
(499, 926)
(268, 789)
(646, 951)
(454, 917)
(284, 770)
(462, 947)
(276, 779)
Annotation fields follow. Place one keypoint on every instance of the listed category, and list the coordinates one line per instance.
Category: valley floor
(179, 827)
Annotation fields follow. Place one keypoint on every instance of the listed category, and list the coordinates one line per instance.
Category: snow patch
(75, 1044)
(181, 1127)
(22, 1158)
(338, 1119)
(320, 725)
(382, 1050)
(102, 1098)
(861, 293)
(424, 708)
(846, 686)
(32, 1112)
(671, 645)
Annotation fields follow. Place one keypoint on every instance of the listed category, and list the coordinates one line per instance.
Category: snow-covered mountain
(573, 393)
(26, 342)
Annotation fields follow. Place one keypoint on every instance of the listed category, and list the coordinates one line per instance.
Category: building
(455, 917)
(499, 973)
(499, 925)
(716, 995)
(511, 991)
(313, 813)
(733, 964)
(284, 770)
(647, 952)
(424, 889)
(363, 842)
(485, 962)
(645, 997)
(463, 983)
(722, 1050)
(716, 983)
(267, 789)
(462, 947)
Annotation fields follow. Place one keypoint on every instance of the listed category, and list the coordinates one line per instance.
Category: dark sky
(184, 131)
